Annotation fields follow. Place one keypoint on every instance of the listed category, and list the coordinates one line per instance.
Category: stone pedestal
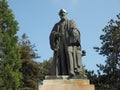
(65, 84)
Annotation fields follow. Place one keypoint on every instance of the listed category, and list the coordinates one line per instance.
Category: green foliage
(91, 76)
(9, 51)
(30, 68)
(45, 67)
(110, 79)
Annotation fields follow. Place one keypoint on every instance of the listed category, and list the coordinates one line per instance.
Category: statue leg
(79, 61)
(55, 64)
(70, 61)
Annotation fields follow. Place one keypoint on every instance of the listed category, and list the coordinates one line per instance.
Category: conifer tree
(10, 76)
(30, 68)
(45, 67)
(110, 79)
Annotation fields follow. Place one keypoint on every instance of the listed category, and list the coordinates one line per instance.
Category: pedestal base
(72, 84)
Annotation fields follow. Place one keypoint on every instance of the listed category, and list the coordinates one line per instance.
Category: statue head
(63, 14)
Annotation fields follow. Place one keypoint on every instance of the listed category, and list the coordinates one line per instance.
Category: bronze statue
(65, 42)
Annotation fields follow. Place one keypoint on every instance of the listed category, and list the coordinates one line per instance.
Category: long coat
(66, 47)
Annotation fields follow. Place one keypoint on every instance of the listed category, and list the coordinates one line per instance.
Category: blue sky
(37, 17)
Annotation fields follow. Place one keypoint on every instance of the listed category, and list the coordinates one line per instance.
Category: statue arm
(54, 38)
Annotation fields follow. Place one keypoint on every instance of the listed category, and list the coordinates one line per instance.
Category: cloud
(72, 2)
(67, 3)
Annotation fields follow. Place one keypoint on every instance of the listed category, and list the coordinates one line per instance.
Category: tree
(110, 79)
(10, 76)
(30, 68)
(45, 67)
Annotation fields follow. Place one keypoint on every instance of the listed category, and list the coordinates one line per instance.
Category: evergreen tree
(30, 68)
(110, 79)
(10, 76)
(45, 67)
(91, 76)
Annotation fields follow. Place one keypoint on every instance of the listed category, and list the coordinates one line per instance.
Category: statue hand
(83, 53)
(57, 35)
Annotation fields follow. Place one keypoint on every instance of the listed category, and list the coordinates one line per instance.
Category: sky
(36, 18)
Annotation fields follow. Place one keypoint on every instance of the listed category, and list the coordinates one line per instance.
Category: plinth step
(67, 87)
(74, 84)
(80, 82)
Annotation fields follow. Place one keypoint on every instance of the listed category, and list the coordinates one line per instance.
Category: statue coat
(67, 55)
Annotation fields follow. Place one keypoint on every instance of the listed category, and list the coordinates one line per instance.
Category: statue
(65, 42)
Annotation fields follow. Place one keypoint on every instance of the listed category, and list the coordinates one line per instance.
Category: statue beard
(63, 18)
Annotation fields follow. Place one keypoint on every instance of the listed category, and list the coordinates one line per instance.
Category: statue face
(63, 15)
